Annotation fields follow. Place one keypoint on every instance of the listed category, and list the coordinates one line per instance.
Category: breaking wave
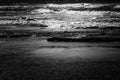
(62, 16)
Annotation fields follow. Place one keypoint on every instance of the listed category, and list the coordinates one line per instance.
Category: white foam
(42, 11)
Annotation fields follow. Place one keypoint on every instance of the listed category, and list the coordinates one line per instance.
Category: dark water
(41, 60)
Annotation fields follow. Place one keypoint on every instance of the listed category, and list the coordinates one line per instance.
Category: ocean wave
(85, 6)
(41, 10)
(62, 16)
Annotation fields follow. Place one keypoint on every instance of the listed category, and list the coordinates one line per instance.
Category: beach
(25, 53)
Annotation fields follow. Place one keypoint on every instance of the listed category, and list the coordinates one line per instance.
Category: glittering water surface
(62, 16)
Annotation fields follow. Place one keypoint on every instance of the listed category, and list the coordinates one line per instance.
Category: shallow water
(39, 59)
(61, 50)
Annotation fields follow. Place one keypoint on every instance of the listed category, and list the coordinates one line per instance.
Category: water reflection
(24, 59)
(62, 51)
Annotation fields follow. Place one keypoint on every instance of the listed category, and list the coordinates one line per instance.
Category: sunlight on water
(62, 16)
(68, 52)
(71, 52)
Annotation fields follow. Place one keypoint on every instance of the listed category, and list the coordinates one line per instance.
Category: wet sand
(42, 60)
